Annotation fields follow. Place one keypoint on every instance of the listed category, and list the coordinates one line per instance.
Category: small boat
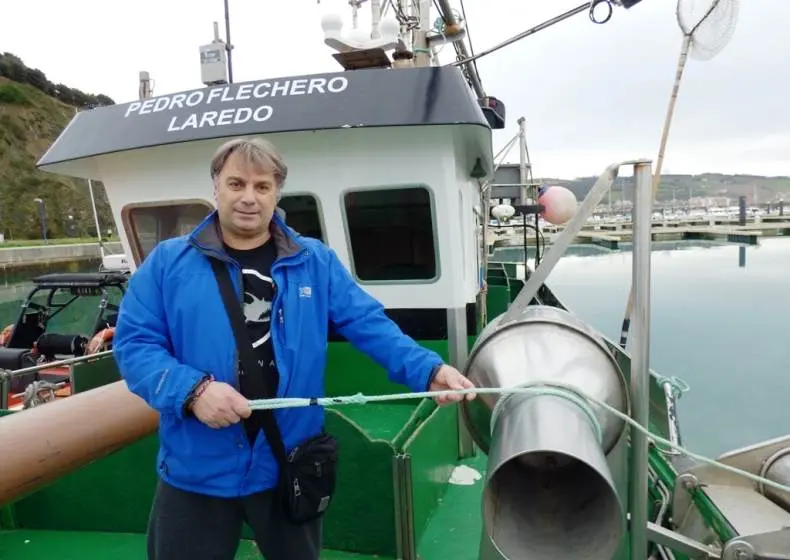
(41, 355)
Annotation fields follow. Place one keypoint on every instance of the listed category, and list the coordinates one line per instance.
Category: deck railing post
(640, 355)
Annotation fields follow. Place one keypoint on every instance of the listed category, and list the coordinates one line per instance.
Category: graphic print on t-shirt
(258, 296)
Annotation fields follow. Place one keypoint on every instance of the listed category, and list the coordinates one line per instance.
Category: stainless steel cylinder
(777, 469)
(549, 492)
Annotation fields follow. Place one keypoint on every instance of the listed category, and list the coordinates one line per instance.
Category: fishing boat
(572, 449)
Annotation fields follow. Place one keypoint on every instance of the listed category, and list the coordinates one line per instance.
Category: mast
(422, 52)
(228, 46)
(523, 165)
(454, 27)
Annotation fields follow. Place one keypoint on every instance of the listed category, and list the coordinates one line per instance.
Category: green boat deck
(453, 532)
(396, 462)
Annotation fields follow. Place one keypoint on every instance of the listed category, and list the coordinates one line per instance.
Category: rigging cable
(451, 18)
(587, 6)
(469, 36)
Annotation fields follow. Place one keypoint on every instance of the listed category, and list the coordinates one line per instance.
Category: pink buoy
(560, 204)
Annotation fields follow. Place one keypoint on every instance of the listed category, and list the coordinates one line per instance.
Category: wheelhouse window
(303, 214)
(149, 224)
(391, 233)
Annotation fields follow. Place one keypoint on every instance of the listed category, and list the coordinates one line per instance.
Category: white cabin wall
(466, 147)
(326, 164)
(468, 192)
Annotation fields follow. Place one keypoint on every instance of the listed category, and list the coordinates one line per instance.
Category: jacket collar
(207, 235)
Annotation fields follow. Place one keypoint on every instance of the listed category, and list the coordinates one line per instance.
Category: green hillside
(681, 187)
(33, 111)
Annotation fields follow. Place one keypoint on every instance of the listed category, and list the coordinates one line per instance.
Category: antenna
(96, 218)
(146, 87)
(214, 61)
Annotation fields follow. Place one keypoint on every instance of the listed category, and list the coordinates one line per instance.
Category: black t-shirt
(256, 267)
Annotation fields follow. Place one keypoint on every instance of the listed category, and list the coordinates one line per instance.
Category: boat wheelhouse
(386, 168)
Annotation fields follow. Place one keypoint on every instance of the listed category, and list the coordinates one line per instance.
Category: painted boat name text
(223, 94)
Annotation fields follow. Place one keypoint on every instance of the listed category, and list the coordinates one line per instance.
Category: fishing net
(707, 25)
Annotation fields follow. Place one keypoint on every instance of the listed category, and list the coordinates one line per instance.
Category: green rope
(534, 388)
(566, 394)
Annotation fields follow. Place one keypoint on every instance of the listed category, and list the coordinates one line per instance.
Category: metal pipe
(466, 60)
(58, 363)
(560, 245)
(375, 19)
(522, 167)
(640, 358)
(228, 46)
(460, 46)
(423, 54)
(96, 217)
(549, 491)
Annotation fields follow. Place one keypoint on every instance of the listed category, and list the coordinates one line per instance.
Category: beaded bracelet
(198, 390)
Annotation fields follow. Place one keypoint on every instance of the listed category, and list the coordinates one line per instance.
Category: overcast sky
(591, 94)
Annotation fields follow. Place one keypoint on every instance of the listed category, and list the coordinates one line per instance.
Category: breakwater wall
(21, 263)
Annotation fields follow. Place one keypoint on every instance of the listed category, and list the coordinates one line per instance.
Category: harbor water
(718, 323)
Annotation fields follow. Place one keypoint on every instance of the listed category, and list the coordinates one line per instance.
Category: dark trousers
(188, 526)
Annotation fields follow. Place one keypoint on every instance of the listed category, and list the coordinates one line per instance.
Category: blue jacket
(173, 329)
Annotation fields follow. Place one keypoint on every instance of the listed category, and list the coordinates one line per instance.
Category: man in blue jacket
(176, 350)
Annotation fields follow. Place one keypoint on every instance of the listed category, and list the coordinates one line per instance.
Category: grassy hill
(681, 187)
(33, 111)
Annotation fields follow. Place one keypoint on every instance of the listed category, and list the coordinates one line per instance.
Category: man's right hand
(220, 405)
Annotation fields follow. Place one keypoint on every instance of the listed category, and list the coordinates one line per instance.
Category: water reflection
(718, 325)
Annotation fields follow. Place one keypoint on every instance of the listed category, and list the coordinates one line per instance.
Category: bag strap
(248, 362)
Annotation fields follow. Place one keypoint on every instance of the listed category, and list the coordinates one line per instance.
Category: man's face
(246, 197)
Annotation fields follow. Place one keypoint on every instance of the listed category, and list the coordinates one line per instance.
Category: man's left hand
(450, 378)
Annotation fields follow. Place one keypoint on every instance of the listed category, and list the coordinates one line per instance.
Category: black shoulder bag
(308, 473)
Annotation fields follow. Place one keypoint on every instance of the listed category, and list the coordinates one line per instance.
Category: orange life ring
(5, 334)
(100, 341)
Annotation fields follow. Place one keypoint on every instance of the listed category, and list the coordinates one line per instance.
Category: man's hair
(255, 151)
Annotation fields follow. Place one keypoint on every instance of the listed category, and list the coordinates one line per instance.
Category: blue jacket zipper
(291, 260)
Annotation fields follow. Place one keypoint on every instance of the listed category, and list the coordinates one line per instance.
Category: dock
(611, 235)
(19, 257)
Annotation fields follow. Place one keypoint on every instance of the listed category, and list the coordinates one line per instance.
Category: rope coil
(566, 394)
(553, 388)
